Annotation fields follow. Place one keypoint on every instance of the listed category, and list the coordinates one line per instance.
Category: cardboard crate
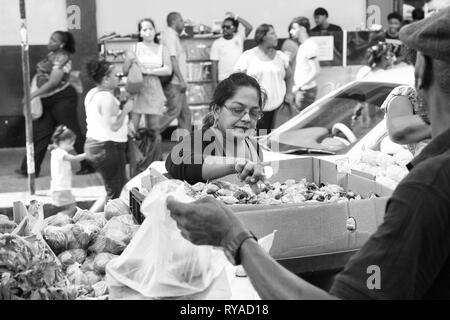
(315, 237)
(317, 229)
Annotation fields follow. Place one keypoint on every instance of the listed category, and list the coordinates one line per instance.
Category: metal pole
(27, 105)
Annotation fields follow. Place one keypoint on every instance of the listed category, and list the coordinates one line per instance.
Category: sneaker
(84, 171)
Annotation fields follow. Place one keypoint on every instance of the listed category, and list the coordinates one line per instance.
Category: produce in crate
(101, 260)
(29, 271)
(6, 226)
(70, 257)
(392, 169)
(58, 220)
(290, 191)
(116, 207)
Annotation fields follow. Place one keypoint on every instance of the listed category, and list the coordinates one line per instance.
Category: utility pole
(27, 105)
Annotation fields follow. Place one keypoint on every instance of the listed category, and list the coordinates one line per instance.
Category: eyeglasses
(227, 27)
(254, 113)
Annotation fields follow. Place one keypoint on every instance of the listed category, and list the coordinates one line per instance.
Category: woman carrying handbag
(59, 100)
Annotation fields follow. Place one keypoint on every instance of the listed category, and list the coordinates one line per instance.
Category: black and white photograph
(220, 155)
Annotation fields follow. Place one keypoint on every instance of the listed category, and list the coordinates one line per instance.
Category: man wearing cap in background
(411, 249)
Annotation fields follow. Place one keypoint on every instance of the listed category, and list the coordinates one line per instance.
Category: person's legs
(173, 107)
(135, 120)
(185, 117)
(43, 129)
(153, 124)
(112, 169)
(111, 166)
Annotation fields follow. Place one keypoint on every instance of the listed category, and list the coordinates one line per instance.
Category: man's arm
(209, 222)
(177, 72)
(403, 125)
(289, 79)
(271, 280)
(247, 26)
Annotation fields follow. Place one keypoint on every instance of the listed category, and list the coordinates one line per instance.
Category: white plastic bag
(159, 262)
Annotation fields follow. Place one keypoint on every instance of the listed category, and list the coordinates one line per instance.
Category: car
(323, 129)
(341, 123)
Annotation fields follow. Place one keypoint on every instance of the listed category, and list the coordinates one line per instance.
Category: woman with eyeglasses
(271, 68)
(107, 129)
(225, 144)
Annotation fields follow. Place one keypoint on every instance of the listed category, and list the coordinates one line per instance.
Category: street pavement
(14, 187)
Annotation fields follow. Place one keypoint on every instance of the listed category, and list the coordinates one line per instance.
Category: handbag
(135, 79)
(284, 113)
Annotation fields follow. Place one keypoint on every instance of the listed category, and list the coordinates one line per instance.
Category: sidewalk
(14, 187)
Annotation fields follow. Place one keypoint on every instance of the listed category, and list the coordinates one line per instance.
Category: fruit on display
(116, 207)
(387, 169)
(290, 191)
(28, 270)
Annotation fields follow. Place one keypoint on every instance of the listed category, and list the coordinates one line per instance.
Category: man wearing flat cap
(411, 248)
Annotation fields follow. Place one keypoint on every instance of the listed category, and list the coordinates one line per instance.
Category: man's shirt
(331, 28)
(171, 40)
(411, 248)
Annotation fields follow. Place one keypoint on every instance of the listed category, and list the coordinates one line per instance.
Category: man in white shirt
(226, 51)
(175, 91)
(307, 64)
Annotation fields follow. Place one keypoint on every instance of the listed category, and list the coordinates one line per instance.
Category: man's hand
(205, 221)
(231, 15)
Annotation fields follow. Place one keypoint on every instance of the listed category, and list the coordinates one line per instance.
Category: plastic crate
(136, 199)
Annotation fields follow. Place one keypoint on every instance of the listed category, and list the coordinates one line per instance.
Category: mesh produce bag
(159, 262)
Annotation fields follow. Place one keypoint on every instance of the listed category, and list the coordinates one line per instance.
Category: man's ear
(423, 71)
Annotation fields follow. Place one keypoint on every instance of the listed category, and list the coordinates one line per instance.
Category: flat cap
(430, 36)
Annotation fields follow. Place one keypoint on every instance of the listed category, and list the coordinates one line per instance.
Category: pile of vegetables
(28, 270)
(87, 242)
(290, 191)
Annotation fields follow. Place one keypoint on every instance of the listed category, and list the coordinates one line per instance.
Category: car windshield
(335, 124)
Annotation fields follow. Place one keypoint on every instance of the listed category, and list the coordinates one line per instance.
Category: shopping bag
(36, 103)
(143, 149)
(159, 262)
(284, 113)
(135, 79)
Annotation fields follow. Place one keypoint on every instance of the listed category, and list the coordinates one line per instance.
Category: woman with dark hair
(290, 47)
(271, 68)
(154, 61)
(107, 129)
(59, 98)
(225, 144)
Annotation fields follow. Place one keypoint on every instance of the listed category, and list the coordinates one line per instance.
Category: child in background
(61, 169)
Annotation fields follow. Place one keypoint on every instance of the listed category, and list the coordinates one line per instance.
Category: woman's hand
(289, 98)
(250, 172)
(128, 106)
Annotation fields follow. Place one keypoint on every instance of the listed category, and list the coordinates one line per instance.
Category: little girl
(61, 169)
